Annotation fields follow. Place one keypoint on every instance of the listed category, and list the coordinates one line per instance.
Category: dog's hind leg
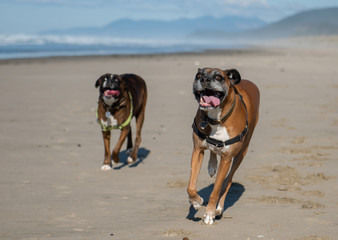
(139, 123)
(129, 143)
(123, 136)
(228, 181)
(212, 165)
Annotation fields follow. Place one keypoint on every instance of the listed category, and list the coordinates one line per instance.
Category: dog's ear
(233, 76)
(123, 79)
(99, 81)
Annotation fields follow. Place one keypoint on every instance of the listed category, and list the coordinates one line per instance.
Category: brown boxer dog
(122, 97)
(224, 124)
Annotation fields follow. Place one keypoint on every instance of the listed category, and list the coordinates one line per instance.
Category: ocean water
(34, 46)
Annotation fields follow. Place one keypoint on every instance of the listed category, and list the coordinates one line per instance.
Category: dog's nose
(205, 80)
(110, 83)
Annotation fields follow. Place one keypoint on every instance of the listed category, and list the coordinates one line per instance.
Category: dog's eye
(218, 78)
(198, 76)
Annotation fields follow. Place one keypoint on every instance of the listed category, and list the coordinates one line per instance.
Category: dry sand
(51, 150)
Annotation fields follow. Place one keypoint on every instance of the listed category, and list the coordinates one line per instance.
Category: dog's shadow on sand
(141, 155)
(235, 192)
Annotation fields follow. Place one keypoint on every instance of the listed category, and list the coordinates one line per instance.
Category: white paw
(130, 160)
(105, 167)
(219, 210)
(197, 205)
(209, 219)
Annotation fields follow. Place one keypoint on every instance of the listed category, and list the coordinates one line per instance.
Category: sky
(33, 16)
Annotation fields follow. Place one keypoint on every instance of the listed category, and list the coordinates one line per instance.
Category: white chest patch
(218, 132)
(111, 121)
(109, 101)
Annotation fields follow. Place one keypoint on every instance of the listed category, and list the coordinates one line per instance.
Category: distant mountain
(308, 23)
(166, 29)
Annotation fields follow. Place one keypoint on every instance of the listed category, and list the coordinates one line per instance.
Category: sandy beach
(51, 150)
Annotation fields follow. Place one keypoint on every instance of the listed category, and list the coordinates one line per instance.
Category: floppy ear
(233, 76)
(99, 82)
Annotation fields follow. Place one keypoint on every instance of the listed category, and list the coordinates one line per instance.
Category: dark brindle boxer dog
(224, 124)
(121, 98)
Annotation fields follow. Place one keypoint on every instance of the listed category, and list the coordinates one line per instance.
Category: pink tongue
(211, 100)
(113, 93)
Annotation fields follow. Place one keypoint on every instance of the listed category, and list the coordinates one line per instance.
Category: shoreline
(221, 51)
(320, 42)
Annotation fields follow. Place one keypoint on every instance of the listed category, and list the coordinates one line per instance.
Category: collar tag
(108, 114)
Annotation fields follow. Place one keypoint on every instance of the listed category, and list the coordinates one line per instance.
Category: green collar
(106, 128)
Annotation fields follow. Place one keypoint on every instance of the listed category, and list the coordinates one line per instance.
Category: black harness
(218, 143)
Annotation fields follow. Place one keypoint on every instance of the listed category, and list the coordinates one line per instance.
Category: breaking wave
(36, 45)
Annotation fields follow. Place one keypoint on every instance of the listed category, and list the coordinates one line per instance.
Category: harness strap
(124, 124)
(218, 143)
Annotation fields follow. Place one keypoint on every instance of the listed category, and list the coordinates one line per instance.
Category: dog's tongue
(112, 93)
(210, 101)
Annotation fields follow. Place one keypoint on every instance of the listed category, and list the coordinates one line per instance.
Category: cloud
(244, 3)
(145, 4)
(173, 9)
(40, 1)
(62, 3)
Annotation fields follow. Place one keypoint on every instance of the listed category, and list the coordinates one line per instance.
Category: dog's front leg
(223, 169)
(196, 163)
(123, 136)
(106, 142)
